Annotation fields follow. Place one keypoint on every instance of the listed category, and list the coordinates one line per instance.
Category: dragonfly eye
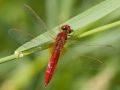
(66, 28)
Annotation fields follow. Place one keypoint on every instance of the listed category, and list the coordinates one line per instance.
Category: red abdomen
(51, 66)
(60, 41)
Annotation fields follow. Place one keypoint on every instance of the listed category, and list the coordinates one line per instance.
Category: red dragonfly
(59, 43)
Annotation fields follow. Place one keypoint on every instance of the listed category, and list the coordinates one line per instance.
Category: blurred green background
(78, 67)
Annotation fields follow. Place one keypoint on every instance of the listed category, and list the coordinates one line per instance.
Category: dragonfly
(58, 45)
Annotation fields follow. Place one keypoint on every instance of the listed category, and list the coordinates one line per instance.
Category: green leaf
(80, 21)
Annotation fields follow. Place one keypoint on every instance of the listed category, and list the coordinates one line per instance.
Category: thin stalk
(8, 58)
(100, 29)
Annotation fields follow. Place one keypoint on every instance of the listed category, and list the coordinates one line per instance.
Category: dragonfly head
(66, 28)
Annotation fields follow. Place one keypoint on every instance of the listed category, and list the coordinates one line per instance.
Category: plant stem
(99, 29)
(8, 58)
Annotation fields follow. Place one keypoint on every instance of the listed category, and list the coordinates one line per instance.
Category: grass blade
(80, 21)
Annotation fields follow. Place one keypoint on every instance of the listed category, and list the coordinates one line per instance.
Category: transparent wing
(93, 58)
(19, 35)
(22, 36)
(77, 43)
(36, 18)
